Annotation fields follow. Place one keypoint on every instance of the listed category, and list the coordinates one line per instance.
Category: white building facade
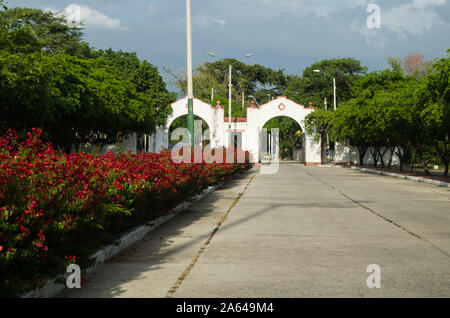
(247, 132)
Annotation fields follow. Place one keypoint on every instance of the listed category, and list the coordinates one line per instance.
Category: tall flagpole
(190, 88)
(334, 92)
(229, 106)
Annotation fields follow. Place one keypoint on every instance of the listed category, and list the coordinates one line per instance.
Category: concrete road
(303, 232)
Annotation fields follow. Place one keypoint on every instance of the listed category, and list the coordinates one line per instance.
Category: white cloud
(204, 21)
(323, 12)
(294, 8)
(373, 36)
(89, 17)
(412, 18)
(424, 3)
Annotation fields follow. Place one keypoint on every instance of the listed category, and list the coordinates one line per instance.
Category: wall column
(313, 151)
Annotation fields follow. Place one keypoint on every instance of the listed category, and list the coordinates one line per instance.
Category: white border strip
(401, 176)
(129, 237)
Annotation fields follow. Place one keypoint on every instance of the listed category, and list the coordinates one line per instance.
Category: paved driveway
(303, 232)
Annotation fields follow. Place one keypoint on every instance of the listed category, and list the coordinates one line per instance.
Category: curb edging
(396, 175)
(129, 237)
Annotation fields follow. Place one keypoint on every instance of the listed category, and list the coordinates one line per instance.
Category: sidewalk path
(303, 232)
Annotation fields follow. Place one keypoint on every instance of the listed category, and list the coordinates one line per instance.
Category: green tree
(47, 81)
(53, 32)
(314, 87)
(74, 100)
(289, 131)
(145, 78)
(413, 64)
(434, 108)
(255, 80)
(15, 37)
(349, 124)
(370, 120)
(396, 64)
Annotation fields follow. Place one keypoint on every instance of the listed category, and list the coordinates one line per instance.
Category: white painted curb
(396, 175)
(129, 237)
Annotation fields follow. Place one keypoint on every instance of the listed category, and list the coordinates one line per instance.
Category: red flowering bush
(57, 209)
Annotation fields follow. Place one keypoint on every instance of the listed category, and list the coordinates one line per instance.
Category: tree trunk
(381, 156)
(68, 148)
(381, 160)
(446, 168)
(425, 167)
(374, 151)
(361, 158)
(362, 152)
(102, 146)
(401, 156)
(390, 158)
(444, 155)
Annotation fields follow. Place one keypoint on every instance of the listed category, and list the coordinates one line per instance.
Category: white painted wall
(130, 143)
(346, 154)
(251, 129)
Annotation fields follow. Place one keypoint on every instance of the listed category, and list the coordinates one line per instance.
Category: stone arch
(249, 128)
(201, 109)
(196, 117)
(297, 153)
(160, 139)
(281, 106)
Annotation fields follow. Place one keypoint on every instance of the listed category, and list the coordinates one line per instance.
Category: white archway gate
(281, 106)
(248, 128)
(213, 116)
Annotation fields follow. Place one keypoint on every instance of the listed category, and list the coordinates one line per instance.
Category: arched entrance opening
(290, 142)
(245, 132)
(181, 122)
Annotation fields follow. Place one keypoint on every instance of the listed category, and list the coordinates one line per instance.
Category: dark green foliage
(408, 114)
(50, 78)
(314, 87)
(289, 130)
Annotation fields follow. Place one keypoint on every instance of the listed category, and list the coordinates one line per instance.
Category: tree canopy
(315, 86)
(397, 109)
(247, 80)
(53, 80)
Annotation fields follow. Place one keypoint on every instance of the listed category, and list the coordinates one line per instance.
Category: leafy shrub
(57, 208)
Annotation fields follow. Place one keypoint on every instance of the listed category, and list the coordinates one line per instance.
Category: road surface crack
(186, 272)
(379, 215)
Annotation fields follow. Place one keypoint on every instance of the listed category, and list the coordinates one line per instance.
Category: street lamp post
(334, 93)
(230, 85)
(334, 86)
(190, 88)
(252, 97)
(334, 101)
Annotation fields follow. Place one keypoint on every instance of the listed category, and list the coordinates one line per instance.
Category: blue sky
(288, 34)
